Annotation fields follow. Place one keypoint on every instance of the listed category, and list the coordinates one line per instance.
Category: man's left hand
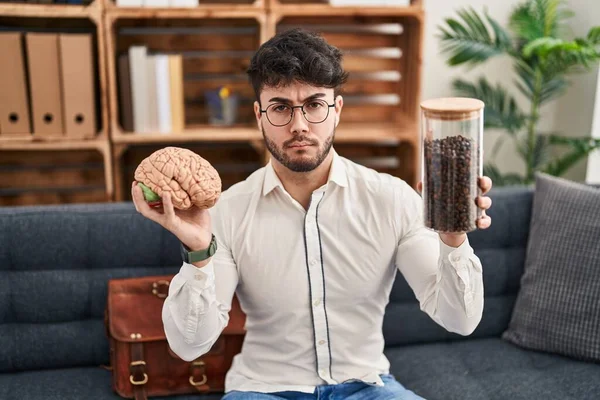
(484, 222)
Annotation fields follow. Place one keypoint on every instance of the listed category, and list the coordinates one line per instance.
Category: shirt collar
(337, 174)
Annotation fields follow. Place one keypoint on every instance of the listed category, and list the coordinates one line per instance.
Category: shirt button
(323, 372)
(313, 262)
(321, 342)
(456, 258)
(317, 302)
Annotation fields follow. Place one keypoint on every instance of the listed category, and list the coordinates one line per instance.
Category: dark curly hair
(296, 55)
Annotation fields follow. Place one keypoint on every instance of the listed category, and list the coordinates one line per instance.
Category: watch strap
(191, 257)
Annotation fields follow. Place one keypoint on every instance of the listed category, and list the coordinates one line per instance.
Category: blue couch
(55, 262)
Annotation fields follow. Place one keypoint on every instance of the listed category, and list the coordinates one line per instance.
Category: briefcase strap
(137, 369)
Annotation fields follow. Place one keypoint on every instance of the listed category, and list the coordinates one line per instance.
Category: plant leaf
(540, 151)
(554, 58)
(580, 147)
(535, 19)
(503, 39)
(501, 109)
(526, 74)
(593, 35)
(557, 56)
(576, 51)
(468, 40)
(524, 23)
(552, 88)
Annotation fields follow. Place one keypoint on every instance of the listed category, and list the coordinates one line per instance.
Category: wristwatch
(191, 257)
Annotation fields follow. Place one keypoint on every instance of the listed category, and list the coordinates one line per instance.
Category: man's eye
(280, 108)
(315, 105)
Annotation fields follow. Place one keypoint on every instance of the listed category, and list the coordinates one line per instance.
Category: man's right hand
(192, 227)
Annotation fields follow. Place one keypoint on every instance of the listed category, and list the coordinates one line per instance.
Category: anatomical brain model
(190, 178)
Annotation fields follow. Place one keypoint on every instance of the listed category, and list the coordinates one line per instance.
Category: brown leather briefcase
(142, 363)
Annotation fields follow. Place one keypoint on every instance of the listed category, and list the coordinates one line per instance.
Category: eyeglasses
(314, 111)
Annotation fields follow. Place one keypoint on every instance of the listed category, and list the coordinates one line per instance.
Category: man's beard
(300, 165)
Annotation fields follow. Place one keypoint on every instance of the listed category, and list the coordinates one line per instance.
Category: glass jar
(451, 140)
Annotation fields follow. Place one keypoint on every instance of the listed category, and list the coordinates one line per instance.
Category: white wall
(571, 114)
(593, 165)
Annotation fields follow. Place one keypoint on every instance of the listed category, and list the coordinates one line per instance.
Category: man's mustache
(299, 139)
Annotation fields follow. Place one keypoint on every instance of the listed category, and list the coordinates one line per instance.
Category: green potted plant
(542, 59)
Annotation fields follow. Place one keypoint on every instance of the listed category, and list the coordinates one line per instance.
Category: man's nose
(299, 123)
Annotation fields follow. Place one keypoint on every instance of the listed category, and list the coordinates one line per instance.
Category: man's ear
(339, 104)
(257, 113)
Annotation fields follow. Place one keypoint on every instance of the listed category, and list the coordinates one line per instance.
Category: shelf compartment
(206, 9)
(324, 8)
(215, 51)
(234, 161)
(382, 56)
(91, 11)
(390, 133)
(47, 175)
(62, 24)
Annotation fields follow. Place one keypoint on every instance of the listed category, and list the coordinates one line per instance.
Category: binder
(14, 97)
(138, 71)
(125, 101)
(177, 94)
(77, 84)
(78, 88)
(152, 95)
(44, 81)
(163, 93)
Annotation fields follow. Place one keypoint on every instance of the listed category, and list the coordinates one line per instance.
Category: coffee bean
(450, 186)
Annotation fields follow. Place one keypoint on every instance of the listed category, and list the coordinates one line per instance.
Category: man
(311, 244)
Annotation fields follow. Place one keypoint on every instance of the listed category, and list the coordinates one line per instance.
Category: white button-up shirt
(314, 283)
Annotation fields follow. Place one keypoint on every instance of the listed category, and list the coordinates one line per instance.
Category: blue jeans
(392, 390)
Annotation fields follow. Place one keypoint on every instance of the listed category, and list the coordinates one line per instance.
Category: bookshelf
(92, 11)
(383, 52)
(216, 42)
(379, 125)
(86, 158)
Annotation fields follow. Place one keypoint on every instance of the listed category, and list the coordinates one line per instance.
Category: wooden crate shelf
(210, 59)
(324, 7)
(382, 52)
(52, 173)
(345, 133)
(185, 13)
(326, 10)
(234, 160)
(92, 11)
(192, 134)
(63, 18)
(205, 8)
(216, 44)
(379, 121)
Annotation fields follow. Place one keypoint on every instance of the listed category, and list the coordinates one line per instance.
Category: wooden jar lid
(452, 108)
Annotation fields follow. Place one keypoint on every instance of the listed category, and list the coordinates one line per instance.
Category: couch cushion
(491, 369)
(501, 249)
(69, 384)
(55, 263)
(557, 306)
